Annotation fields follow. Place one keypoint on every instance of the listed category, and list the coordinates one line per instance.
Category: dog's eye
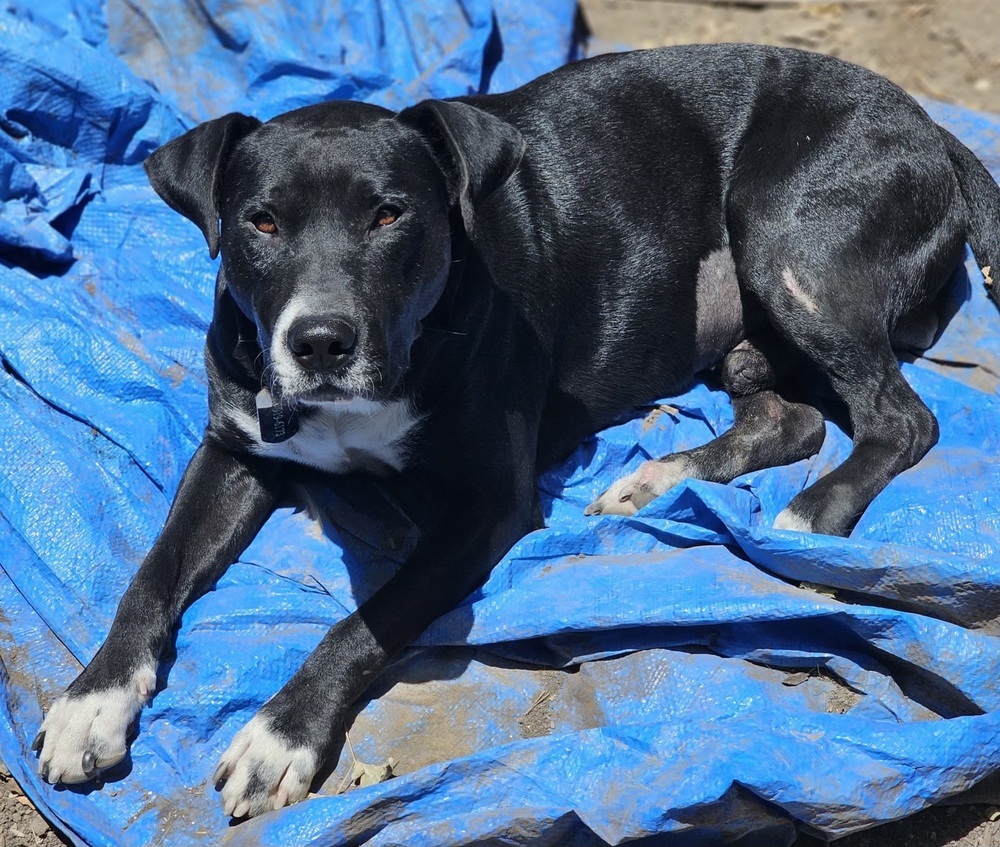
(386, 215)
(264, 223)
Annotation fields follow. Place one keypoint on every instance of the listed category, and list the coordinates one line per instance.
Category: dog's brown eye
(386, 215)
(264, 223)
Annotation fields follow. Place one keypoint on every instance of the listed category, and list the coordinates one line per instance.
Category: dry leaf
(825, 590)
(362, 775)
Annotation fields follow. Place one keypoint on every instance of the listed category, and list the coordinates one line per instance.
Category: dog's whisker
(446, 331)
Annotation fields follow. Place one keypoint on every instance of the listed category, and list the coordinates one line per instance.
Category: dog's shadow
(376, 523)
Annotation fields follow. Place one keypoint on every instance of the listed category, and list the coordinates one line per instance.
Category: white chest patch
(340, 437)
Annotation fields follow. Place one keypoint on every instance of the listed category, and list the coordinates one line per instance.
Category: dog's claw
(39, 741)
(89, 762)
(219, 777)
(280, 799)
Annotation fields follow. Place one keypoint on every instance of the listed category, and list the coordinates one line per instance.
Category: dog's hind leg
(768, 430)
(841, 326)
(843, 232)
(893, 429)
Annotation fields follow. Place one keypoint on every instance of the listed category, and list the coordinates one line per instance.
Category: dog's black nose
(322, 343)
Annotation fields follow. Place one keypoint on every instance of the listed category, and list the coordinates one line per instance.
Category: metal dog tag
(277, 423)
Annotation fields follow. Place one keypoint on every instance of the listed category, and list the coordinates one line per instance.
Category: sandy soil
(944, 49)
(20, 824)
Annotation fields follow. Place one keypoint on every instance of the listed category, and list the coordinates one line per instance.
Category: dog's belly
(720, 323)
(709, 320)
(337, 438)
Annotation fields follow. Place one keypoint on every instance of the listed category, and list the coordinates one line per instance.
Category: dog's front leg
(273, 759)
(222, 502)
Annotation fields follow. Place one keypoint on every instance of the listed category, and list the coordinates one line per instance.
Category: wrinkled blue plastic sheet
(615, 678)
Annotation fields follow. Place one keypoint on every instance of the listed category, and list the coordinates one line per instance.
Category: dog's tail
(982, 197)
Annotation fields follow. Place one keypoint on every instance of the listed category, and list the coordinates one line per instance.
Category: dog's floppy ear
(477, 151)
(187, 172)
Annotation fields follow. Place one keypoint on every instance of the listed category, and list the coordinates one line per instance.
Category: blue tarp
(615, 678)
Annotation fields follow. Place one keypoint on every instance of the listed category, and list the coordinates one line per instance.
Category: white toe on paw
(789, 521)
(262, 771)
(638, 489)
(84, 735)
(617, 500)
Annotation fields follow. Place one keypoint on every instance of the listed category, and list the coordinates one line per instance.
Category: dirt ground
(944, 49)
(20, 824)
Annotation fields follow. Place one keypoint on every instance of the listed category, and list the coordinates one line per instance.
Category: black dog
(456, 295)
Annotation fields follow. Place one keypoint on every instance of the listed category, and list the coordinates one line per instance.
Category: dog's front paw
(263, 771)
(83, 735)
(790, 521)
(638, 489)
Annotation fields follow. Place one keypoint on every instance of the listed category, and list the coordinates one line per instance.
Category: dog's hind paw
(83, 735)
(263, 771)
(638, 489)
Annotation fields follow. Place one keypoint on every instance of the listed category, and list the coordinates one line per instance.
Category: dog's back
(660, 180)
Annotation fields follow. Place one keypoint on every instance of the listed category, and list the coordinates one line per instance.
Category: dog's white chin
(329, 396)
(353, 404)
(324, 394)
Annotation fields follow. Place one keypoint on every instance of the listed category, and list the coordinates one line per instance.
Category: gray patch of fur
(718, 309)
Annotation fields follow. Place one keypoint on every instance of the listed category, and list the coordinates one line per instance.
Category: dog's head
(335, 228)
